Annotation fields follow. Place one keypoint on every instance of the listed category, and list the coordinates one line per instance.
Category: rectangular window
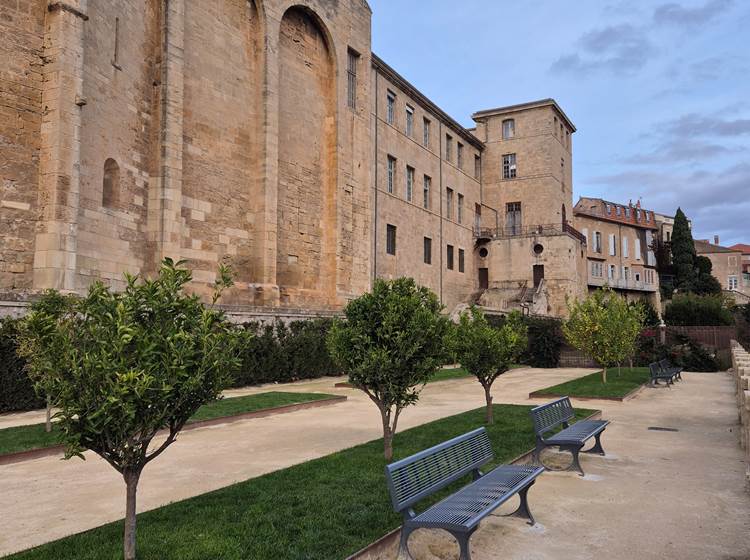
(448, 147)
(637, 246)
(612, 245)
(509, 166)
(627, 212)
(619, 211)
(477, 166)
(513, 218)
(625, 251)
(460, 208)
(460, 155)
(585, 232)
(116, 53)
(351, 84)
(477, 217)
(449, 203)
(732, 282)
(409, 183)
(460, 260)
(637, 276)
(509, 129)
(637, 215)
(609, 208)
(449, 255)
(427, 250)
(426, 191)
(626, 273)
(390, 239)
(598, 241)
(391, 112)
(409, 121)
(596, 269)
(426, 133)
(612, 272)
(391, 174)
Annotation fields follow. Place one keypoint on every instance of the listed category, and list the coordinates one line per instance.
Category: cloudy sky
(659, 91)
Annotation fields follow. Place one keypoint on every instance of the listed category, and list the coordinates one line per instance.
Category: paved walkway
(659, 495)
(72, 496)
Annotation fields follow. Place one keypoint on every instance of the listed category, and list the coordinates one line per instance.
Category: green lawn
(458, 373)
(324, 509)
(592, 386)
(23, 438)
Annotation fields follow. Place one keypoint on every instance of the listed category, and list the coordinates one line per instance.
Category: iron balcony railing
(528, 231)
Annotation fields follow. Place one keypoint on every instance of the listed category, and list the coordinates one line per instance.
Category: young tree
(592, 328)
(121, 367)
(683, 253)
(391, 343)
(487, 352)
(628, 320)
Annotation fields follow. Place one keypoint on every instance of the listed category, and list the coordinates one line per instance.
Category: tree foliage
(693, 310)
(604, 327)
(683, 253)
(487, 352)
(121, 367)
(391, 343)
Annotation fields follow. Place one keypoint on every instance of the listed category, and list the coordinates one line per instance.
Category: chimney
(716, 239)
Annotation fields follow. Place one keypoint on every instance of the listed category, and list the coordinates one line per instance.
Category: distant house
(727, 266)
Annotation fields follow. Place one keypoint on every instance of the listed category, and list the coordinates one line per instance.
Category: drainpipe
(375, 159)
(440, 202)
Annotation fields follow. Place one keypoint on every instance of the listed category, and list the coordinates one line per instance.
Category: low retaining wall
(741, 372)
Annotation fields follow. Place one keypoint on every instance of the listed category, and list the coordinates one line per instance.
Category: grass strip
(617, 386)
(323, 509)
(33, 436)
(458, 373)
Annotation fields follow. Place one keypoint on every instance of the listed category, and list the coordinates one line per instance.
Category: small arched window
(509, 128)
(110, 183)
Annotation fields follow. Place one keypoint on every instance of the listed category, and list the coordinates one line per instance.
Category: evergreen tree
(683, 253)
(705, 284)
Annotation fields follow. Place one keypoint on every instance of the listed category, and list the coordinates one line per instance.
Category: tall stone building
(266, 132)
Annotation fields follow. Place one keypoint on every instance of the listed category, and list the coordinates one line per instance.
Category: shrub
(692, 356)
(692, 310)
(544, 340)
(16, 388)
(278, 353)
(392, 342)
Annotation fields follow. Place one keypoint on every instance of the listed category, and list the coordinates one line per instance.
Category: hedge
(545, 340)
(692, 310)
(279, 353)
(16, 390)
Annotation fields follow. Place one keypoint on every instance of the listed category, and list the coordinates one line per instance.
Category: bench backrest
(549, 416)
(664, 364)
(655, 369)
(420, 475)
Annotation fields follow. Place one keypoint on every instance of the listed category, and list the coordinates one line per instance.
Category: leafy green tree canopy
(683, 253)
(121, 367)
(487, 352)
(392, 341)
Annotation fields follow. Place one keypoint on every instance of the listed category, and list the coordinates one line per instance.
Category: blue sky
(659, 91)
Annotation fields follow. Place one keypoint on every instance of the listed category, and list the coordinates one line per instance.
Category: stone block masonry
(741, 372)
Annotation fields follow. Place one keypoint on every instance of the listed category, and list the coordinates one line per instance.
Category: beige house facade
(726, 267)
(620, 247)
(267, 133)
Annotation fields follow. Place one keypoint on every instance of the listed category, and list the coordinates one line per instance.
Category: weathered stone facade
(266, 132)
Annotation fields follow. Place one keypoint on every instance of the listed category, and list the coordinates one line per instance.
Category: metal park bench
(659, 374)
(417, 477)
(558, 413)
(676, 372)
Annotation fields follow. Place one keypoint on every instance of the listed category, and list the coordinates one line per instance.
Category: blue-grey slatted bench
(659, 374)
(676, 372)
(572, 437)
(412, 479)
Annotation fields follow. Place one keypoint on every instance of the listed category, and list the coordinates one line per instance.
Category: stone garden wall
(741, 371)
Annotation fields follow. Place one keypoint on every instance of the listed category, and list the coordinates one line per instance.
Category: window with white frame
(509, 129)
(597, 241)
(460, 208)
(426, 186)
(625, 273)
(509, 166)
(409, 183)
(596, 269)
(637, 276)
(625, 248)
(585, 232)
(409, 121)
(612, 272)
(612, 245)
(390, 115)
(637, 246)
(732, 282)
(391, 174)
(426, 132)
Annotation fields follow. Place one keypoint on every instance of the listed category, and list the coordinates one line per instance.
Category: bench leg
(463, 543)
(574, 450)
(597, 446)
(523, 508)
(536, 455)
(403, 547)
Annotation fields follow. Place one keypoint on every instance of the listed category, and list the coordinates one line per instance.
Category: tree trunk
(48, 421)
(488, 398)
(604, 375)
(630, 362)
(387, 443)
(131, 483)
